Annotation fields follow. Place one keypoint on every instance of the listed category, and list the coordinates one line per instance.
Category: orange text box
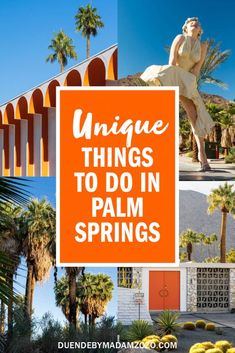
(116, 176)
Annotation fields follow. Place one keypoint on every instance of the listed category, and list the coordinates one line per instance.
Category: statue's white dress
(181, 76)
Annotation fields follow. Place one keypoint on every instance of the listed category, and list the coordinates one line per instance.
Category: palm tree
(37, 230)
(105, 287)
(87, 22)
(214, 58)
(2, 317)
(95, 291)
(61, 289)
(86, 290)
(13, 190)
(214, 111)
(10, 244)
(184, 129)
(227, 121)
(187, 239)
(222, 199)
(63, 48)
(66, 288)
(208, 241)
(72, 274)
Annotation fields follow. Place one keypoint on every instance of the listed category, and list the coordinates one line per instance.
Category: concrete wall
(232, 289)
(128, 311)
(191, 304)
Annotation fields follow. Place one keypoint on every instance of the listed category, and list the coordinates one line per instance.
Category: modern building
(28, 122)
(191, 287)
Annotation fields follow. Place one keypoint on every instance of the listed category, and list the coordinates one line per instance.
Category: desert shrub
(208, 345)
(22, 327)
(52, 333)
(151, 337)
(189, 154)
(183, 256)
(137, 341)
(152, 343)
(139, 329)
(169, 338)
(195, 346)
(198, 350)
(218, 331)
(201, 347)
(189, 325)
(200, 323)
(230, 158)
(223, 345)
(210, 326)
(167, 322)
(214, 350)
(230, 256)
(107, 329)
(213, 260)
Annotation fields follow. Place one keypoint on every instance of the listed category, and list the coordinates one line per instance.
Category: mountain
(193, 214)
(134, 80)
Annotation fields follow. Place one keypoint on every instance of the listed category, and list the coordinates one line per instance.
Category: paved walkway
(220, 170)
(220, 319)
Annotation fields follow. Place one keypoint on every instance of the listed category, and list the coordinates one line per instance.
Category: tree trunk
(195, 151)
(93, 318)
(223, 236)
(226, 149)
(189, 251)
(10, 311)
(32, 294)
(88, 45)
(218, 133)
(28, 291)
(72, 299)
(55, 275)
(2, 318)
(61, 66)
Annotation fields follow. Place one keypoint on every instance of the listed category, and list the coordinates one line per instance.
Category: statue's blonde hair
(189, 19)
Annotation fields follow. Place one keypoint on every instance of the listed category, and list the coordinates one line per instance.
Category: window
(125, 277)
(213, 289)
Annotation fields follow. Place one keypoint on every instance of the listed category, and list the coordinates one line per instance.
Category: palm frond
(6, 264)
(13, 190)
(213, 81)
(88, 21)
(62, 47)
(214, 58)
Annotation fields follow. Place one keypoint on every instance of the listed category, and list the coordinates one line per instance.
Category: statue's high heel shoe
(205, 167)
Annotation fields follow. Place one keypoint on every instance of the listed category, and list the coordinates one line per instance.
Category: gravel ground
(187, 338)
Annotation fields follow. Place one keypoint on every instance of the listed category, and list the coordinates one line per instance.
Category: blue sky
(26, 29)
(44, 300)
(145, 27)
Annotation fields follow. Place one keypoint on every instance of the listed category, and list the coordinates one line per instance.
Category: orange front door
(164, 290)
